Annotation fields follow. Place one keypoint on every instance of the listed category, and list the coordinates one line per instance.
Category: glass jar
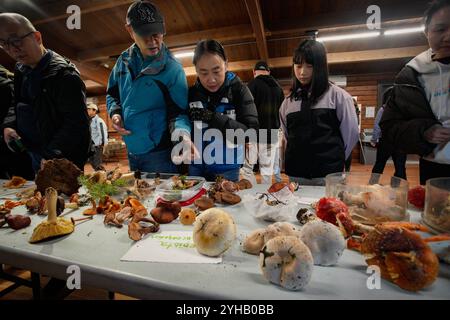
(437, 204)
(372, 198)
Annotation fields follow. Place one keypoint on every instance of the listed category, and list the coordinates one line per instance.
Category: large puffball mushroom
(254, 242)
(280, 229)
(325, 241)
(287, 262)
(214, 232)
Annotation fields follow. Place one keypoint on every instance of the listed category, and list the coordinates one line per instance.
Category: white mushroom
(254, 242)
(286, 261)
(214, 232)
(325, 241)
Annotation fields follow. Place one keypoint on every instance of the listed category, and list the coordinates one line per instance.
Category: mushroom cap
(287, 262)
(254, 242)
(214, 232)
(47, 229)
(325, 241)
(280, 229)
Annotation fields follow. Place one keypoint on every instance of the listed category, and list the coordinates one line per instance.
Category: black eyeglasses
(15, 42)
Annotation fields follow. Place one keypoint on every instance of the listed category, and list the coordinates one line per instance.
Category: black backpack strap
(173, 110)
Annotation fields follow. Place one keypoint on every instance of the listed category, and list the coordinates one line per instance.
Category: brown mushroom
(166, 212)
(139, 227)
(18, 221)
(244, 184)
(204, 203)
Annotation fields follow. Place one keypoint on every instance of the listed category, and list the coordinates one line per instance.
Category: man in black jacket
(11, 163)
(268, 96)
(49, 114)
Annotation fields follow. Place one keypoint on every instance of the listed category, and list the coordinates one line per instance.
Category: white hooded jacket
(435, 79)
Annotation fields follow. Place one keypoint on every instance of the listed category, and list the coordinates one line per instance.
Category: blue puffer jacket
(134, 93)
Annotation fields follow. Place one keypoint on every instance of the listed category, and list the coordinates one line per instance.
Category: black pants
(97, 158)
(430, 170)
(383, 155)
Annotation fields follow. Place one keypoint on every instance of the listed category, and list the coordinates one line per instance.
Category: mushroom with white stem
(287, 262)
(54, 226)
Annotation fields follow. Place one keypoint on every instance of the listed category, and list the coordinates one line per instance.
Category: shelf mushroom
(54, 226)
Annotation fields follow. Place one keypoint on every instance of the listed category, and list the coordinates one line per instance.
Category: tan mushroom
(54, 226)
(254, 242)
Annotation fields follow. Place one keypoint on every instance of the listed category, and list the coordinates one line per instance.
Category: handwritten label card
(168, 246)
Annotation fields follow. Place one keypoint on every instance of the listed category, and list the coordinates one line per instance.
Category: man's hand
(10, 134)
(437, 134)
(117, 124)
(373, 144)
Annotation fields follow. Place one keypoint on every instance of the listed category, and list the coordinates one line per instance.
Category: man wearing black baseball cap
(147, 92)
(268, 97)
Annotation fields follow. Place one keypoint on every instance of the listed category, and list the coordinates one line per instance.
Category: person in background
(268, 96)
(12, 163)
(416, 119)
(348, 162)
(49, 114)
(318, 119)
(385, 150)
(147, 93)
(99, 135)
(219, 100)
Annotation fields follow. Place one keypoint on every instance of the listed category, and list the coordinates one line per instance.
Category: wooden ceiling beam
(256, 18)
(333, 58)
(356, 18)
(176, 41)
(104, 5)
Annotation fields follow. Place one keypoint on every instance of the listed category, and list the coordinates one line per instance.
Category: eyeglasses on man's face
(15, 42)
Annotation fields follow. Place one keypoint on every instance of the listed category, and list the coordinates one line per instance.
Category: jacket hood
(423, 63)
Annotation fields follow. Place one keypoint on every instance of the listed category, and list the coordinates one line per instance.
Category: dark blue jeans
(153, 161)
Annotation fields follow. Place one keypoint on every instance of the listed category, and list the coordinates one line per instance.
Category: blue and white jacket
(234, 109)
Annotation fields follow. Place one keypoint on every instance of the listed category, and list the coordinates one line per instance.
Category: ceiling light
(361, 35)
(393, 32)
(186, 54)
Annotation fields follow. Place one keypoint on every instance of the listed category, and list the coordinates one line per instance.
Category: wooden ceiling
(249, 29)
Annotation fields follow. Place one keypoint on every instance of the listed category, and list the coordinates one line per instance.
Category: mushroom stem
(80, 219)
(52, 197)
